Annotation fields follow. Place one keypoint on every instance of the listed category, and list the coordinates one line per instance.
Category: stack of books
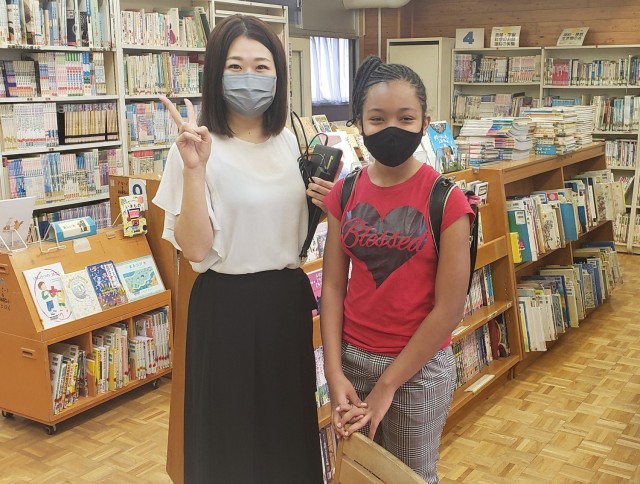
(495, 139)
(563, 120)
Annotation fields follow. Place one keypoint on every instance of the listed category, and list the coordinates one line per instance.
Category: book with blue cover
(106, 284)
(445, 152)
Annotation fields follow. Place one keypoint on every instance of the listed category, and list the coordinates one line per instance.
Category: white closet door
(424, 57)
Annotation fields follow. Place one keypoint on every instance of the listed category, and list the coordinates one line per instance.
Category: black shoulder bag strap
(437, 201)
(347, 187)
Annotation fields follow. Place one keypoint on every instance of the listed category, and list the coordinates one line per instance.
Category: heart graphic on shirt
(384, 244)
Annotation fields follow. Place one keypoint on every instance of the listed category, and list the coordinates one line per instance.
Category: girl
(235, 206)
(386, 335)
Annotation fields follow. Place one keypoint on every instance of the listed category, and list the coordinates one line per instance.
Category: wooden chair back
(362, 461)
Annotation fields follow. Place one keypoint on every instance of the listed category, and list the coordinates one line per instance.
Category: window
(330, 70)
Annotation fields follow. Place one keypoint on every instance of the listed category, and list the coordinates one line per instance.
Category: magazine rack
(25, 386)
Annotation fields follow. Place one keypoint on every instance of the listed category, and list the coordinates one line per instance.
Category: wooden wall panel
(395, 23)
(609, 22)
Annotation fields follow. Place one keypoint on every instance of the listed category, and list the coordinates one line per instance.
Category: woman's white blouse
(257, 204)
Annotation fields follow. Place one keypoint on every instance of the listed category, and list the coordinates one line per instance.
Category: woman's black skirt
(250, 411)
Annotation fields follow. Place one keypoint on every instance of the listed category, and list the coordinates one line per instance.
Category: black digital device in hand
(323, 163)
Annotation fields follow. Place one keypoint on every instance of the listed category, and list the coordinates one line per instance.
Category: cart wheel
(50, 429)
(155, 384)
(6, 414)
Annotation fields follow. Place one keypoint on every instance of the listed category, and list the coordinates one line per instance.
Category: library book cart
(25, 385)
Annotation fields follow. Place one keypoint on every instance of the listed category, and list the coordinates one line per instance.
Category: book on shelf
(80, 294)
(107, 284)
(322, 387)
(56, 370)
(315, 278)
(140, 277)
(79, 23)
(57, 177)
(471, 354)
(321, 123)
(316, 248)
(155, 325)
(328, 450)
(47, 291)
(306, 131)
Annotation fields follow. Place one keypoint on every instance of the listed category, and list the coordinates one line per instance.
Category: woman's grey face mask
(248, 94)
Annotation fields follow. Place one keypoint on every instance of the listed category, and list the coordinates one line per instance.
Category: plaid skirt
(250, 411)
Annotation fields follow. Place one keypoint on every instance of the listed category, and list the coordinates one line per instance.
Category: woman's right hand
(193, 141)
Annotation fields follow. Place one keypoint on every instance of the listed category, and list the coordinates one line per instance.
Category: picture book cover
(16, 216)
(140, 277)
(132, 211)
(80, 294)
(47, 291)
(445, 151)
(321, 122)
(106, 284)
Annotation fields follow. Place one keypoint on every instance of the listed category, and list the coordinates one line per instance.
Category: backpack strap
(347, 187)
(438, 197)
(437, 201)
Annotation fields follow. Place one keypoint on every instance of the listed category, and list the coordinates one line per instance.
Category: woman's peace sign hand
(193, 141)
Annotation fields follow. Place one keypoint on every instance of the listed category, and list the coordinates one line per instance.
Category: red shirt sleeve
(332, 200)
(457, 206)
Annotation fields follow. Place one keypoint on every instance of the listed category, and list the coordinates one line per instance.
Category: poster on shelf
(505, 37)
(573, 36)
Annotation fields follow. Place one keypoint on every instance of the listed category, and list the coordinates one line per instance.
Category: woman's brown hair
(214, 109)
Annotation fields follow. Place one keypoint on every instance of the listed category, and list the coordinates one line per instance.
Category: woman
(235, 206)
(386, 335)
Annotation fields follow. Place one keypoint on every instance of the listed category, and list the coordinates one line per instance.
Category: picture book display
(47, 291)
(140, 277)
(106, 284)
(80, 294)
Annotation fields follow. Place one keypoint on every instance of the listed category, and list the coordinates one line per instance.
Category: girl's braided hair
(373, 71)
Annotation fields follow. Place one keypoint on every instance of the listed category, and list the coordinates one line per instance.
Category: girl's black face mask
(392, 146)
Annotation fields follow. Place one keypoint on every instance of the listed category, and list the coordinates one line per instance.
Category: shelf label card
(138, 186)
(505, 36)
(573, 36)
(469, 38)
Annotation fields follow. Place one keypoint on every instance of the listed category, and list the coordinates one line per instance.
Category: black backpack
(437, 200)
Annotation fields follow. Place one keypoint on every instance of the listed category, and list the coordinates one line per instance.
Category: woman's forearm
(193, 229)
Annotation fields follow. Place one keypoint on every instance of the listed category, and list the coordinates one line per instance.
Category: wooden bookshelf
(496, 254)
(547, 173)
(25, 387)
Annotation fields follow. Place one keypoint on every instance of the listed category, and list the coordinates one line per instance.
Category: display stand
(9, 247)
(25, 384)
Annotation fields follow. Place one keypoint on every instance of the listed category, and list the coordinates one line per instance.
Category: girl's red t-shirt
(384, 230)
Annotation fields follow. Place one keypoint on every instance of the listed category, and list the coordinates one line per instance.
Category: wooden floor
(572, 416)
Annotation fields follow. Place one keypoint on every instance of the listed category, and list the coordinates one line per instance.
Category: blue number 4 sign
(468, 39)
